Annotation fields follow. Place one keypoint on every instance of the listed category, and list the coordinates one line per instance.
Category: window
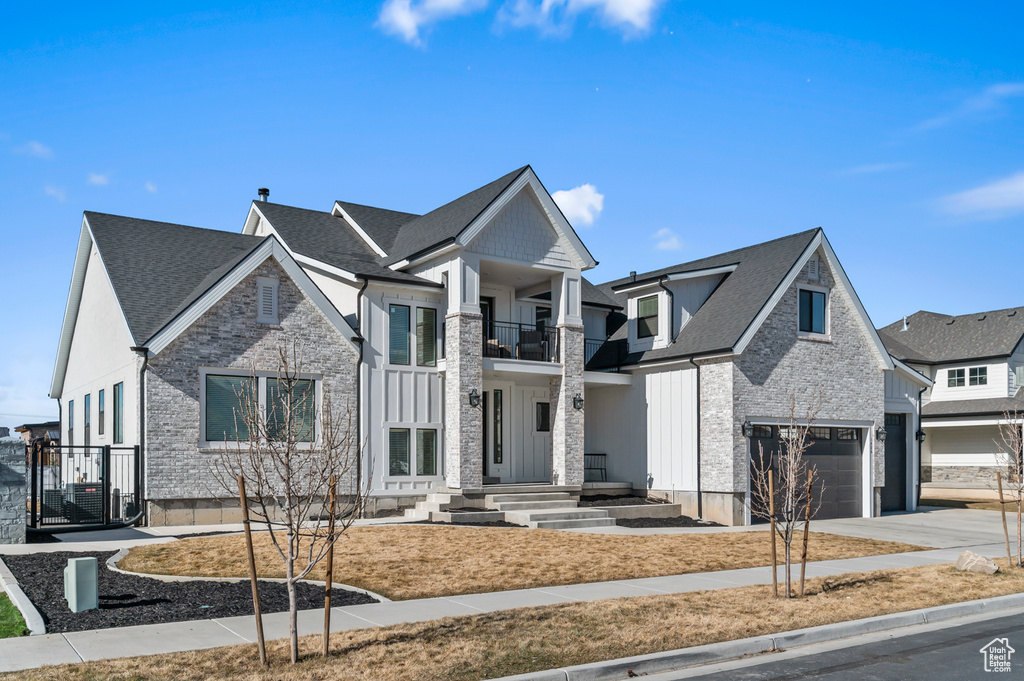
(119, 414)
(1018, 373)
(812, 311)
(266, 300)
(955, 378)
(848, 433)
(543, 422)
(398, 334)
(818, 433)
(102, 412)
(426, 451)
(496, 411)
(303, 409)
(647, 317)
(543, 318)
(87, 418)
(71, 422)
(426, 336)
(225, 399)
(978, 376)
(762, 431)
(398, 451)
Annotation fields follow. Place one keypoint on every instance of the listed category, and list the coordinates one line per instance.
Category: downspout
(671, 310)
(144, 354)
(359, 387)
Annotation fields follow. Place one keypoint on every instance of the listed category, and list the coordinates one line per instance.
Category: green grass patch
(11, 622)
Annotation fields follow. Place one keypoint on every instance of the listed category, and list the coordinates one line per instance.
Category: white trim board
(358, 230)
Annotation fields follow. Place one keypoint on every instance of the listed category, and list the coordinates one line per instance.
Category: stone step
(417, 514)
(572, 524)
(532, 505)
(538, 496)
(529, 516)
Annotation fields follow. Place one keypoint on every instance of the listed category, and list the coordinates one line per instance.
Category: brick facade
(463, 423)
(179, 484)
(13, 490)
(566, 420)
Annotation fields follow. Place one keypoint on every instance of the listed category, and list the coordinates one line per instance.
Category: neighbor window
(978, 376)
(398, 334)
(426, 451)
(398, 451)
(955, 378)
(426, 336)
(102, 412)
(812, 311)
(647, 317)
(71, 422)
(119, 413)
(543, 423)
(303, 409)
(87, 418)
(226, 397)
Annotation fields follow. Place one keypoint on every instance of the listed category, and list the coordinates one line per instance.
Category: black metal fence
(76, 485)
(520, 341)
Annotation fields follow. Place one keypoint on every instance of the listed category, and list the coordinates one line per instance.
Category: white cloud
(407, 18)
(150, 187)
(872, 168)
(580, 205)
(994, 200)
(98, 180)
(55, 192)
(632, 17)
(667, 240)
(37, 149)
(988, 100)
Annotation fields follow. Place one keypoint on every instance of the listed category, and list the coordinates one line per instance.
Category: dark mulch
(128, 600)
(40, 538)
(617, 500)
(679, 521)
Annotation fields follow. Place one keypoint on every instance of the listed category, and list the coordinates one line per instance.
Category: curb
(116, 558)
(33, 620)
(613, 670)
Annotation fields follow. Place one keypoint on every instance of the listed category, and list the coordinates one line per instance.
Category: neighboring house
(37, 432)
(977, 364)
(459, 338)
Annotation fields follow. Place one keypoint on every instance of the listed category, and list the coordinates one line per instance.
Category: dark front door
(835, 454)
(894, 493)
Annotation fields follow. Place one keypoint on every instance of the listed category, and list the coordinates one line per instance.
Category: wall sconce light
(748, 429)
(577, 402)
(880, 434)
(474, 398)
(919, 435)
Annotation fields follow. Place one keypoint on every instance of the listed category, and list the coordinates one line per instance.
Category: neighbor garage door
(835, 453)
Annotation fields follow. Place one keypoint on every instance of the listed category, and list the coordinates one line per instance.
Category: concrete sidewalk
(36, 651)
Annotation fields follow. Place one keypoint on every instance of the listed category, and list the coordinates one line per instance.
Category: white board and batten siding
(998, 384)
(901, 393)
(648, 430)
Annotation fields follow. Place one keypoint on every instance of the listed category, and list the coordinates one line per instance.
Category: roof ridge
(366, 205)
(87, 213)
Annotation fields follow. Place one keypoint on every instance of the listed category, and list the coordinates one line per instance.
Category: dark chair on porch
(532, 345)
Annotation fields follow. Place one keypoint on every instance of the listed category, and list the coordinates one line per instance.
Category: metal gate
(83, 485)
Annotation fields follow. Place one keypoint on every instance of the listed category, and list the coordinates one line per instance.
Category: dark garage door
(835, 453)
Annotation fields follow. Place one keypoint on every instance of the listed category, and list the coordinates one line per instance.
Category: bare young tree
(1011, 455)
(779, 482)
(288, 448)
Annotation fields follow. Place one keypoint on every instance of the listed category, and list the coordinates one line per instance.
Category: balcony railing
(590, 348)
(510, 340)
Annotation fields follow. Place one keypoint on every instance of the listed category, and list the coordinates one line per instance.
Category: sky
(667, 131)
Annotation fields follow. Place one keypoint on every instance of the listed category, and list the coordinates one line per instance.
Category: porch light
(880, 434)
(748, 429)
(919, 435)
(474, 398)
(577, 402)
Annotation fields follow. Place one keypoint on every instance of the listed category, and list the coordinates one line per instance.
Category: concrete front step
(417, 514)
(571, 524)
(531, 516)
(610, 488)
(539, 496)
(532, 505)
(432, 506)
(512, 488)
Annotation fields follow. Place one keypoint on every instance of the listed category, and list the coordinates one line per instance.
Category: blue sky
(698, 126)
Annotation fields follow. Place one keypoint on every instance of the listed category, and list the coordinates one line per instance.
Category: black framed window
(303, 409)
(543, 417)
(762, 431)
(543, 318)
(71, 422)
(955, 378)
(119, 413)
(647, 317)
(819, 433)
(812, 311)
(398, 334)
(426, 336)
(426, 451)
(87, 419)
(398, 451)
(978, 376)
(226, 397)
(101, 414)
(496, 414)
(849, 433)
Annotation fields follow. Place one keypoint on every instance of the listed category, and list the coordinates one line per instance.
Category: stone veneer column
(566, 421)
(463, 423)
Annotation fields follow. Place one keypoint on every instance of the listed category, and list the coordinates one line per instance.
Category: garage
(836, 454)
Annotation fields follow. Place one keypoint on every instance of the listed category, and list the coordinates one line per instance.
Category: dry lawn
(422, 561)
(531, 639)
(972, 504)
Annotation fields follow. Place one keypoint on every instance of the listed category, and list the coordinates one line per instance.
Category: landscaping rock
(972, 562)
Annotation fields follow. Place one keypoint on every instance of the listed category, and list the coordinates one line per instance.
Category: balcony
(511, 340)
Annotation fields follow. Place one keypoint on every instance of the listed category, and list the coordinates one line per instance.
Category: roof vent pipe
(904, 323)
(632, 275)
(264, 193)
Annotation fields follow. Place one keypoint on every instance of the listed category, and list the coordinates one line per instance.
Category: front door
(894, 493)
(497, 430)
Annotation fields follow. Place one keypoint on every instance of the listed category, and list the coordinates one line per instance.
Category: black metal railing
(590, 348)
(511, 340)
(84, 485)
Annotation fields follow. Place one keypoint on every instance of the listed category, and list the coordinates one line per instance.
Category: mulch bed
(617, 500)
(129, 600)
(679, 521)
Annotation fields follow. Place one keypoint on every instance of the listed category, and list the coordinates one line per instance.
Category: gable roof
(442, 225)
(331, 240)
(933, 338)
(380, 224)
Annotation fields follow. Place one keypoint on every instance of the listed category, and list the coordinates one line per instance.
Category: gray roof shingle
(720, 322)
(986, 407)
(933, 338)
(380, 224)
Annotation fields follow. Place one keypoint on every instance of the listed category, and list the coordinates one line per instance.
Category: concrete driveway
(940, 528)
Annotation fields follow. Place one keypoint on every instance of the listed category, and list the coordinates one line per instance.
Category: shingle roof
(933, 338)
(986, 407)
(157, 268)
(720, 322)
(331, 240)
(444, 224)
(592, 295)
(380, 224)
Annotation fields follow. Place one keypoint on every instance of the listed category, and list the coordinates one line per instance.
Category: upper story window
(647, 317)
(403, 337)
(87, 420)
(118, 413)
(266, 300)
(543, 318)
(102, 412)
(1018, 375)
(978, 376)
(813, 306)
(398, 334)
(426, 336)
(955, 378)
(71, 422)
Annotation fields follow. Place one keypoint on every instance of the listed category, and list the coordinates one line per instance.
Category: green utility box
(81, 585)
